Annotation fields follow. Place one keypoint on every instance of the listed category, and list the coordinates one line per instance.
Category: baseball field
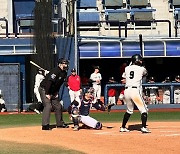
(21, 133)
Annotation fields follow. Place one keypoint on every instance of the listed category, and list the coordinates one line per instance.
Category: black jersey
(53, 81)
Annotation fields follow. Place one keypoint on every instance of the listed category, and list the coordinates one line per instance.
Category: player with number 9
(134, 74)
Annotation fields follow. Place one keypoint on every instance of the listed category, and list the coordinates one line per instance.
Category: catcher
(79, 113)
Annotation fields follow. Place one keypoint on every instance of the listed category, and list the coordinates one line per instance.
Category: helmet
(40, 71)
(167, 79)
(136, 59)
(111, 78)
(177, 77)
(151, 78)
(88, 90)
(73, 70)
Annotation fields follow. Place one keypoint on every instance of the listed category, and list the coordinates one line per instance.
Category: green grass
(20, 120)
(24, 148)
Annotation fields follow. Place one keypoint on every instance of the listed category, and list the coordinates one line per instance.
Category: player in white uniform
(177, 90)
(38, 79)
(96, 82)
(152, 92)
(166, 91)
(133, 92)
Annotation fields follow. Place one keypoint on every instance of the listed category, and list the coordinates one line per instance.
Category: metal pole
(75, 38)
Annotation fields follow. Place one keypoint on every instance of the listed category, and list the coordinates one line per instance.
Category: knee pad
(98, 125)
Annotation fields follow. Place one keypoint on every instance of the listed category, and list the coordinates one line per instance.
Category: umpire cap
(63, 61)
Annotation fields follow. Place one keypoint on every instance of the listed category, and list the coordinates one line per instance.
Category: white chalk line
(172, 135)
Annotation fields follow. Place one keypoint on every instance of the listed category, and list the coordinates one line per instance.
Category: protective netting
(43, 41)
(43, 30)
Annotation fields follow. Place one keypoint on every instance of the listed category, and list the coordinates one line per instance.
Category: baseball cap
(73, 70)
(167, 79)
(111, 78)
(177, 77)
(96, 67)
(151, 78)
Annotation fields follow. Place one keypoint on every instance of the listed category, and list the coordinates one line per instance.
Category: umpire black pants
(48, 105)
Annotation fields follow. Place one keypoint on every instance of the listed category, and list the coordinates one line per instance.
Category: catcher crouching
(79, 113)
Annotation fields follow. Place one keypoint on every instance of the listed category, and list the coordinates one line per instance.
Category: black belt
(131, 87)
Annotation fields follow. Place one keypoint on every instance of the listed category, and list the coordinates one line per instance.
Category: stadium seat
(25, 24)
(85, 4)
(138, 3)
(112, 4)
(143, 15)
(176, 4)
(115, 16)
(89, 17)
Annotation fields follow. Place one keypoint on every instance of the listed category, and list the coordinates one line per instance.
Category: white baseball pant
(74, 95)
(89, 121)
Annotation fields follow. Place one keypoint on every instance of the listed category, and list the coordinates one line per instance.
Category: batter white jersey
(133, 88)
(38, 79)
(133, 75)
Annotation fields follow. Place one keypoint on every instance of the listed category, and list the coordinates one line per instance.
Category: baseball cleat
(124, 130)
(145, 130)
(63, 126)
(76, 128)
(35, 110)
(46, 127)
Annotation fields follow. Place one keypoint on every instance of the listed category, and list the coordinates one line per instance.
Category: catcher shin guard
(98, 126)
(75, 116)
(144, 119)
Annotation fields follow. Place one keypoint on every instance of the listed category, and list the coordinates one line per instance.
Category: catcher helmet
(88, 90)
(136, 59)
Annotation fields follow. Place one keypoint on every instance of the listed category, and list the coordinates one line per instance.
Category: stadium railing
(170, 85)
(28, 23)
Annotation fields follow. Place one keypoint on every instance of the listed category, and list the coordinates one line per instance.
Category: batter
(133, 92)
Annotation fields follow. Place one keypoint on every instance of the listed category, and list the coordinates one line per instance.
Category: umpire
(49, 89)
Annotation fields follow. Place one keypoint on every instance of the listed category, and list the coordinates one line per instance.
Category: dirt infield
(165, 138)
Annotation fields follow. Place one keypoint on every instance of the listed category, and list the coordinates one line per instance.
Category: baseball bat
(141, 44)
(33, 63)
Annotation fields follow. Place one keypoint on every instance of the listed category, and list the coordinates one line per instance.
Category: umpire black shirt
(53, 81)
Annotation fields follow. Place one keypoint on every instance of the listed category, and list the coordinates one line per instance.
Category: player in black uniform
(49, 89)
